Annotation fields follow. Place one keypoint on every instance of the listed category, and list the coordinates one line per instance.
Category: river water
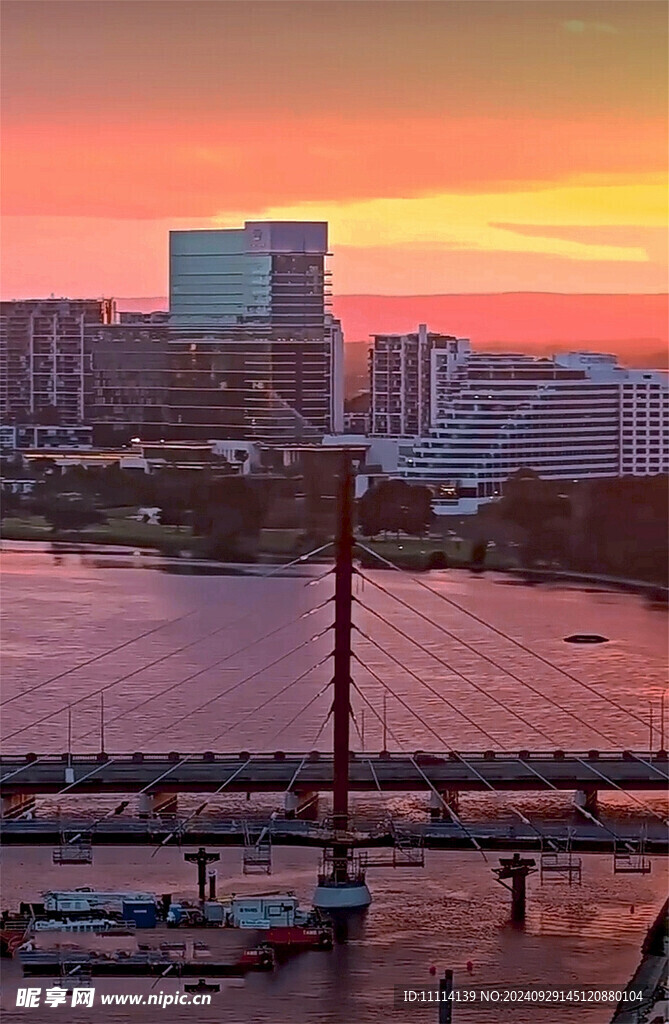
(62, 610)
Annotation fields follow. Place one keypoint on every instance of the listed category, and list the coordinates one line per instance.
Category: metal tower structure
(341, 883)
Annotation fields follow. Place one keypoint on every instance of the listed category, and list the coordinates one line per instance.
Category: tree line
(614, 526)
(222, 508)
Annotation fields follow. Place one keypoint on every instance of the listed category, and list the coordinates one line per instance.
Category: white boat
(85, 924)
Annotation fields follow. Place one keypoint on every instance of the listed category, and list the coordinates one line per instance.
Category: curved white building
(576, 415)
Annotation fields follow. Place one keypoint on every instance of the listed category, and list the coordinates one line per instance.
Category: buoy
(470, 966)
(632, 909)
(586, 638)
(433, 970)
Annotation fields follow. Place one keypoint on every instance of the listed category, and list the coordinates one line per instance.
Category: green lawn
(407, 552)
(280, 542)
(117, 531)
(25, 528)
(414, 552)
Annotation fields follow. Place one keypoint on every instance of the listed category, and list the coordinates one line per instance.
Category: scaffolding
(629, 856)
(76, 848)
(560, 864)
(257, 855)
(333, 863)
(407, 851)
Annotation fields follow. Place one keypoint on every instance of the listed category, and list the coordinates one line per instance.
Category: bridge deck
(585, 836)
(205, 773)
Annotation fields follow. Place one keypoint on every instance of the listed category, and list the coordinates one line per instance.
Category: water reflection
(61, 608)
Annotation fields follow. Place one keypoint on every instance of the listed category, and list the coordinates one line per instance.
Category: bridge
(275, 773)
(159, 778)
(614, 760)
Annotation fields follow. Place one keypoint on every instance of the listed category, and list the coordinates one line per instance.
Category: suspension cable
(304, 708)
(156, 629)
(491, 661)
(234, 725)
(199, 810)
(383, 795)
(511, 639)
(97, 657)
(314, 741)
(451, 668)
(212, 700)
(516, 714)
(130, 675)
(452, 814)
(218, 696)
(182, 825)
(525, 764)
(464, 761)
(208, 668)
(427, 685)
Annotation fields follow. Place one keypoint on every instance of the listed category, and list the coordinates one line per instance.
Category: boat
(45, 963)
(585, 638)
(202, 986)
(98, 926)
(277, 916)
(280, 918)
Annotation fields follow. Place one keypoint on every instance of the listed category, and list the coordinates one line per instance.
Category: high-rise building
(128, 376)
(248, 350)
(254, 351)
(408, 374)
(243, 386)
(42, 358)
(150, 380)
(575, 416)
(266, 276)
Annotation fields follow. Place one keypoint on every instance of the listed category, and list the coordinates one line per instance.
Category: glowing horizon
(452, 147)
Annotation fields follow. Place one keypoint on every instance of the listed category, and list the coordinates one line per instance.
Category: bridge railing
(422, 757)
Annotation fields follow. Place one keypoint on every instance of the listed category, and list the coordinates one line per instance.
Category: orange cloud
(95, 256)
(153, 170)
(438, 138)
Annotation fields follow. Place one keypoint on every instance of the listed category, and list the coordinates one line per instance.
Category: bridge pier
(16, 804)
(202, 859)
(451, 796)
(587, 798)
(516, 869)
(157, 803)
(301, 804)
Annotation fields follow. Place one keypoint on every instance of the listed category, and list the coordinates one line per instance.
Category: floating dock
(42, 963)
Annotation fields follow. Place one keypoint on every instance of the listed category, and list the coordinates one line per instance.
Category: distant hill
(356, 367)
(633, 327)
(143, 304)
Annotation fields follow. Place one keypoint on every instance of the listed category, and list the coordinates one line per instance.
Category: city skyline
(381, 620)
(528, 157)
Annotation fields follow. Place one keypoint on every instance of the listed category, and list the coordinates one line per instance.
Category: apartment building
(128, 376)
(577, 415)
(408, 376)
(42, 358)
(266, 275)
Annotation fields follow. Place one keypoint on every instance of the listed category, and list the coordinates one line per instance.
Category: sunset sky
(454, 147)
